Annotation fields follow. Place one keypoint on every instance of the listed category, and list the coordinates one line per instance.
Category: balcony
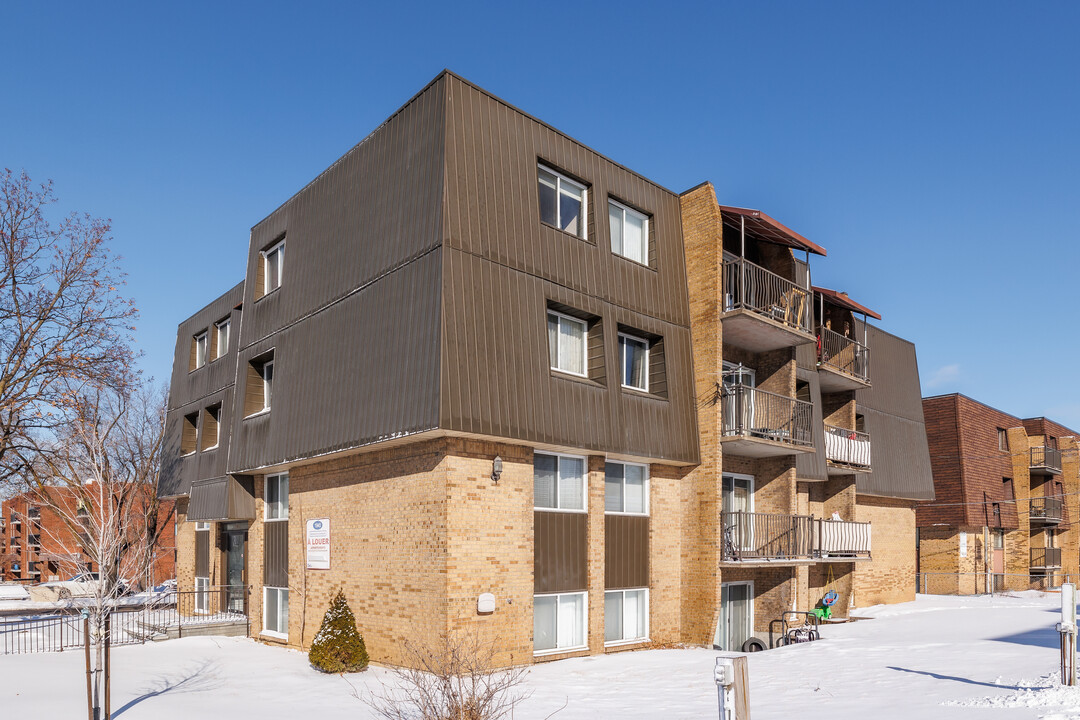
(774, 538)
(757, 423)
(1045, 558)
(1046, 510)
(1045, 460)
(763, 311)
(844, 363)
(847, 451)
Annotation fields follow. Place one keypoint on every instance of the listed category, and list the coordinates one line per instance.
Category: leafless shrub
(454, 678)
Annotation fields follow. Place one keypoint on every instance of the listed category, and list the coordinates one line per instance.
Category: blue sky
(932, 148)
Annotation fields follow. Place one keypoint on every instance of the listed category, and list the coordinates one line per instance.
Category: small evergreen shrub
(338, 647)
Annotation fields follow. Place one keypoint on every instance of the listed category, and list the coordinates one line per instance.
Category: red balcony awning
(842, 300)
(765, 228)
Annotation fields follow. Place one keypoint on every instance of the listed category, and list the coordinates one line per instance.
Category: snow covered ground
(938, 657)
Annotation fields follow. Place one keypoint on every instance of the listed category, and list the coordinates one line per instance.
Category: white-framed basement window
(273, 265)
(564, 203)
(559, 622)
(559, 482)
(202, 594)
(634, 362)
(626, 616)
(629, 232)
(567, 342)
(626, 488)
(276, 612)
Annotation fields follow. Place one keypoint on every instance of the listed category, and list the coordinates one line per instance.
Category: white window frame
(584, 343)
(202, 595)
(267, 385)
(560, 179)
(276, 478)
(265, 254)
(222, 348)
(202, 349)
(629, 641)
(648, 483)
(265, 630)
(584, 624)
(644, 232)
(584, 484)
(201, 525)
(622, 361)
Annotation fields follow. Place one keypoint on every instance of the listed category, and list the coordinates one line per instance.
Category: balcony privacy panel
(812, 466)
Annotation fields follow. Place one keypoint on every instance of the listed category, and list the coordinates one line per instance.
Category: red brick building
(36, 545)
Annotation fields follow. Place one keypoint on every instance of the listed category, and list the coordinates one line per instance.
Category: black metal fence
(843, 354)
(757, 413)
(979, 583)
(751, 287)
(1045, 509)
(775, 536)
(133, 620)
(1045, 557)
(1045, 458)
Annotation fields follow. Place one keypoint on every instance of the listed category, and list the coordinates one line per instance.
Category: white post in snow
(1067, 630)
(732, 687)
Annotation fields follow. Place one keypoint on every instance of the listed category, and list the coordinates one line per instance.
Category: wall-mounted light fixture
(496, 469)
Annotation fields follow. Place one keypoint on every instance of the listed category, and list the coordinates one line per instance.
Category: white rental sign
(318, 544)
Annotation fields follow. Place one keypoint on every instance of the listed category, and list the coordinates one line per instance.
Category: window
(221, 330)
(210, 426)
(277, 497)
(634, 360)
(629, 232)
(273, 264)
(198, 350)
(566, 343)
(563, 202)
(202, 525)
(202, 595)
(190, 434)
(260, 385)
(1003, 440)
(626, 488)
(626, 615)
(558, 482)
(559, 622)
(276, 611)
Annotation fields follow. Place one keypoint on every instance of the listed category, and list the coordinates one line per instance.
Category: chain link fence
(978, 583)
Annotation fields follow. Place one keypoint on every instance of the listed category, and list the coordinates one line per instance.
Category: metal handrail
(751, 287)
(1046, 508)
(1045, 457)
(842, 538)
(766, 536)
(1045, 557)
(758, 413)
(843, 354)
(849, 447)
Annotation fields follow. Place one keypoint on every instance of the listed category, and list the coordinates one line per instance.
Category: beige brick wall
(890, 576)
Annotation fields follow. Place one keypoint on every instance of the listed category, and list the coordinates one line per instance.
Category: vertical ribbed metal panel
(202, 553)
(560, 552)
(892, 407)
(276, 553)
(502, 266)
(626, 551)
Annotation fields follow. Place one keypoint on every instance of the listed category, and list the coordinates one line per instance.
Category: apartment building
(794, 386)
(1004, 486)
(458, 381)
(38, 545)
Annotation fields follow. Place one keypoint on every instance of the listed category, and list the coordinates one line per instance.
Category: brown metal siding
(813, 466)
(626, 551)
(202, 553)
(276, 553)
(893, 410)
(502, 267)
(559, 552)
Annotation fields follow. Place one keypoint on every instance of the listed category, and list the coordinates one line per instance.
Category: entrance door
(736, 616)
(235, 542)
(998, 558)
(737, 495)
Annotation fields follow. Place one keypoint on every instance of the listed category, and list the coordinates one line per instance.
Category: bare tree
(64, 325)
(100, 480)
(453, 678)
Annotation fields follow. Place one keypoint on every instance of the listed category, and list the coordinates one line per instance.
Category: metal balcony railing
(774, 536)
(751, 287)
(1046, 557)
(757, 413)
(843, 354)
(1046, 509)
(847, 447)
(1045, 458)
